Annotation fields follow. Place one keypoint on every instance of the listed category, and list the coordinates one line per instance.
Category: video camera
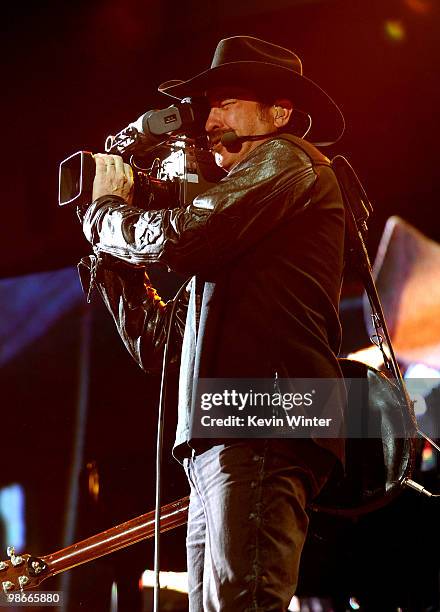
(167, 150)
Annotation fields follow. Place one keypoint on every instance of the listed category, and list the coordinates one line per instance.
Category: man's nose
(214, 120)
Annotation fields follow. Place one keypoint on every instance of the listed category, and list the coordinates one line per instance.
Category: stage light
(420, 407)
(12, 502)
(294, 605)
(420, 370)
(371, 356)
(177, 581)
(420, 381)
(429, 461)
(354, 604)
(423, 7)
(114, 598)
(395, 30)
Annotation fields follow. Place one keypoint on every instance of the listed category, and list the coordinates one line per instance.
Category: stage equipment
(407, 274)
(358, 209)
(167, 150)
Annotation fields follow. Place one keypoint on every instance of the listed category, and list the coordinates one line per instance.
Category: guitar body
(375, 465)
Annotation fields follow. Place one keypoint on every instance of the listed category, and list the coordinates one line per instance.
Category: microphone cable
(159, 446)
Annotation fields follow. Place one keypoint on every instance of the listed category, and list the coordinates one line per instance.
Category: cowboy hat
(264, 66)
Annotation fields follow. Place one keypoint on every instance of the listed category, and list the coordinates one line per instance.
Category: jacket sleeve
(273, 183)
(140, 315)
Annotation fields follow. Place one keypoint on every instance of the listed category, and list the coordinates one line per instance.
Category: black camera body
(167, 151)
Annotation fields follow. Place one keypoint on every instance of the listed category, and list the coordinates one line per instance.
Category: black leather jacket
(265, 250)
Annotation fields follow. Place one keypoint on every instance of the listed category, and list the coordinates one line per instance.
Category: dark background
(76, 72)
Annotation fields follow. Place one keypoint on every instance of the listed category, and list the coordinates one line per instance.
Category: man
(265, 247)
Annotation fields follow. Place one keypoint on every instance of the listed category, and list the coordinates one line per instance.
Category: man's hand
(113, 177)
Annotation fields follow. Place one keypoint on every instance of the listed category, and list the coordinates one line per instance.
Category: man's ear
(281, 112)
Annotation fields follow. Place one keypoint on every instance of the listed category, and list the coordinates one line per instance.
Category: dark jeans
(247, 523)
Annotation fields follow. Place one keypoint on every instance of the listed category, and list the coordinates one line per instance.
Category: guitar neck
(133, 531)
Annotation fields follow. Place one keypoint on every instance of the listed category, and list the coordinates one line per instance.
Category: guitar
(22, 572)
(375, 472)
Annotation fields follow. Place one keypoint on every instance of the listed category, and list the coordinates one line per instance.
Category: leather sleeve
(273, 183)
(140, 315)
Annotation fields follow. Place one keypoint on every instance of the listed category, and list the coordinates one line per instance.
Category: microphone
(232, 138)
(303, 120)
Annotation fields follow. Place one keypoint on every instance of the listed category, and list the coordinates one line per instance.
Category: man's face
(235, 109)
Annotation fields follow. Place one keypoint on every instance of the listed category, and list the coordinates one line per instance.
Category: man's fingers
(99, 160)
(110, 163)
(113, 177)
(128, 171)
(117, 162)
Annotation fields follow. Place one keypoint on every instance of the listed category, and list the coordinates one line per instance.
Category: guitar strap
(358, 209)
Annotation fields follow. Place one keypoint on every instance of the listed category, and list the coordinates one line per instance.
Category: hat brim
(327, 120)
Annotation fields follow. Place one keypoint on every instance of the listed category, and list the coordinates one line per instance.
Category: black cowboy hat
(263, 66)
